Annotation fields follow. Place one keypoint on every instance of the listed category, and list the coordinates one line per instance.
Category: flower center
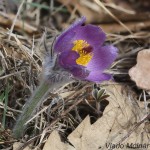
(84, 50)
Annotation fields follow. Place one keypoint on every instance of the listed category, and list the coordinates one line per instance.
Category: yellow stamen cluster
(80, 47)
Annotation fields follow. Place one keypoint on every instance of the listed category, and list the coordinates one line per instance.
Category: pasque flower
(81, 52)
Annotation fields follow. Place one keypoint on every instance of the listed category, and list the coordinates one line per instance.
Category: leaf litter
(119, 117)
(73, 121)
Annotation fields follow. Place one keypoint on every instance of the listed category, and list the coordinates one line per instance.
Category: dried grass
(20, 74)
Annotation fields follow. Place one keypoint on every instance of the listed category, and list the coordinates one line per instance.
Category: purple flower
(81, 52)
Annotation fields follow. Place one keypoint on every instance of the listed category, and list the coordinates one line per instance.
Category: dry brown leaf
(133, 26)
(96, 14)
(17, 145)
(54, 143)
(118, 119)
(140, 73)
(7, 20)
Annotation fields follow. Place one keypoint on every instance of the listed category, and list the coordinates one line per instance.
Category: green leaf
(104, 97)
(94, 93)
(100, 93)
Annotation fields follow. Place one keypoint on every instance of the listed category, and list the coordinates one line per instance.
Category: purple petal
(102, 58)
(92, 34)
(68, 58)
(97, 76)
(79, 72)
(64, 42)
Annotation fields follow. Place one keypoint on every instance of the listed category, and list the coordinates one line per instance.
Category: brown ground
(22, 30)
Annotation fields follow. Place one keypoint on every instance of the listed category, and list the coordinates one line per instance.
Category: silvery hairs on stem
(53, 77)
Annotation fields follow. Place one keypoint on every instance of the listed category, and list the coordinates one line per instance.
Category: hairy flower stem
(30, 108)
(35, 101)
(98, 106)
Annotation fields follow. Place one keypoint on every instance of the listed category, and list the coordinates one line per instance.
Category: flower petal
(91, 34)
(64, 42)
(79, 72)
(68, 58)
(102, 58)
(97, 76)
